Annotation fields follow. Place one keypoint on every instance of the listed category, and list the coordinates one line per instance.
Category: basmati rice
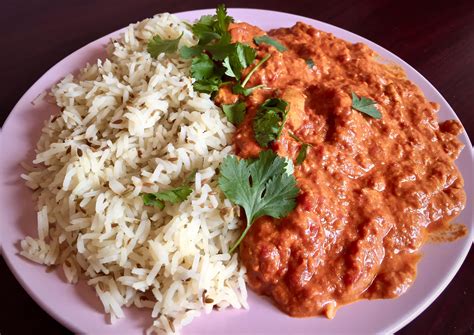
(131, 124)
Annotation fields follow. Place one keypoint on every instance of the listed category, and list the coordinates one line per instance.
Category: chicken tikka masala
(371, 189)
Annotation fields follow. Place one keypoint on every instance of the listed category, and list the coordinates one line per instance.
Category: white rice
(133, 124)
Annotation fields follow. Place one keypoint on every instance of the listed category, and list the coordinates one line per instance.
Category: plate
(77, 307)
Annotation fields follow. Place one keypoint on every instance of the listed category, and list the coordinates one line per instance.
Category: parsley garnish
(235, 113)
(265, 39)
(366, 106)
(262, 186)
(175, 195)
(310, 63)
(157, 45)
(269, 121)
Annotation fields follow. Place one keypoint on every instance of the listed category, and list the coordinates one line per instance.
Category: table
(435, 37)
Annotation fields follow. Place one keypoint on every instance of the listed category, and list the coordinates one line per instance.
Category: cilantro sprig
(235, 113)
(269, 121)
(239, 88)
(366, 106)
(228, 59)
(215, 57)
(263, 186)
(212, 27)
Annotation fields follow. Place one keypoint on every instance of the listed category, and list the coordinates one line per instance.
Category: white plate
(77, 307)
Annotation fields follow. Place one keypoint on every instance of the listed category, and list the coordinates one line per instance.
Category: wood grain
(435, 37)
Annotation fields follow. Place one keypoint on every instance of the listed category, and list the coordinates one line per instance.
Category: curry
(370, 189)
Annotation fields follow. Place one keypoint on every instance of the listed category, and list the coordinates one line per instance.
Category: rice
(131, 124)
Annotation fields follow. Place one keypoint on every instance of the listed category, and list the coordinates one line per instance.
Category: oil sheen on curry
(370, 189)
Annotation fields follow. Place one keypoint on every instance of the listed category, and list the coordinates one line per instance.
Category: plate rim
(391, 328)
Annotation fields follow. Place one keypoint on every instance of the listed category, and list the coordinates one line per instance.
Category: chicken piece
(296, 101)
(244, 33)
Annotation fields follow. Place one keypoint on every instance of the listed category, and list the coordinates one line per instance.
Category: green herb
(157, 45)
(260, 186)
(221, 49)
(202, 67)
(175, 195)
(235, 113)
(190, 52)
(215, 48)
(269, 121)
(296, 138)
(240, 88)
(208, 85)
(310, 63)
(302, 153)
(204, 29)
(207, 74)
(265, 39)
(303, 150)
(366, 106)
(212, 27)
(240, 57)
(223, 20)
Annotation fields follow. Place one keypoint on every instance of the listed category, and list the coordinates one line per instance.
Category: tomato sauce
(369, 188)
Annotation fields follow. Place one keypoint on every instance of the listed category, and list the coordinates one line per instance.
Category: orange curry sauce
(368, 188)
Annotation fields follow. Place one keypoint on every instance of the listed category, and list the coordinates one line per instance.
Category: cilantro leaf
(208, 85)
(302, 153)
(269, 121)
(212, 27)
(366, 106)
(190, 52)
(202, 67)
(149, 199)
(157, 45)
(265, 39)
(261, 187)
(310, 63)
(223, 20)
(204, 29)
(228, 68)
(175, 195)
(221, 49)
(248, 54)
(235, 113)
(303, 150)
(240, 57)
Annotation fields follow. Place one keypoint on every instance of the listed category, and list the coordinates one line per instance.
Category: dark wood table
(435, 37)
